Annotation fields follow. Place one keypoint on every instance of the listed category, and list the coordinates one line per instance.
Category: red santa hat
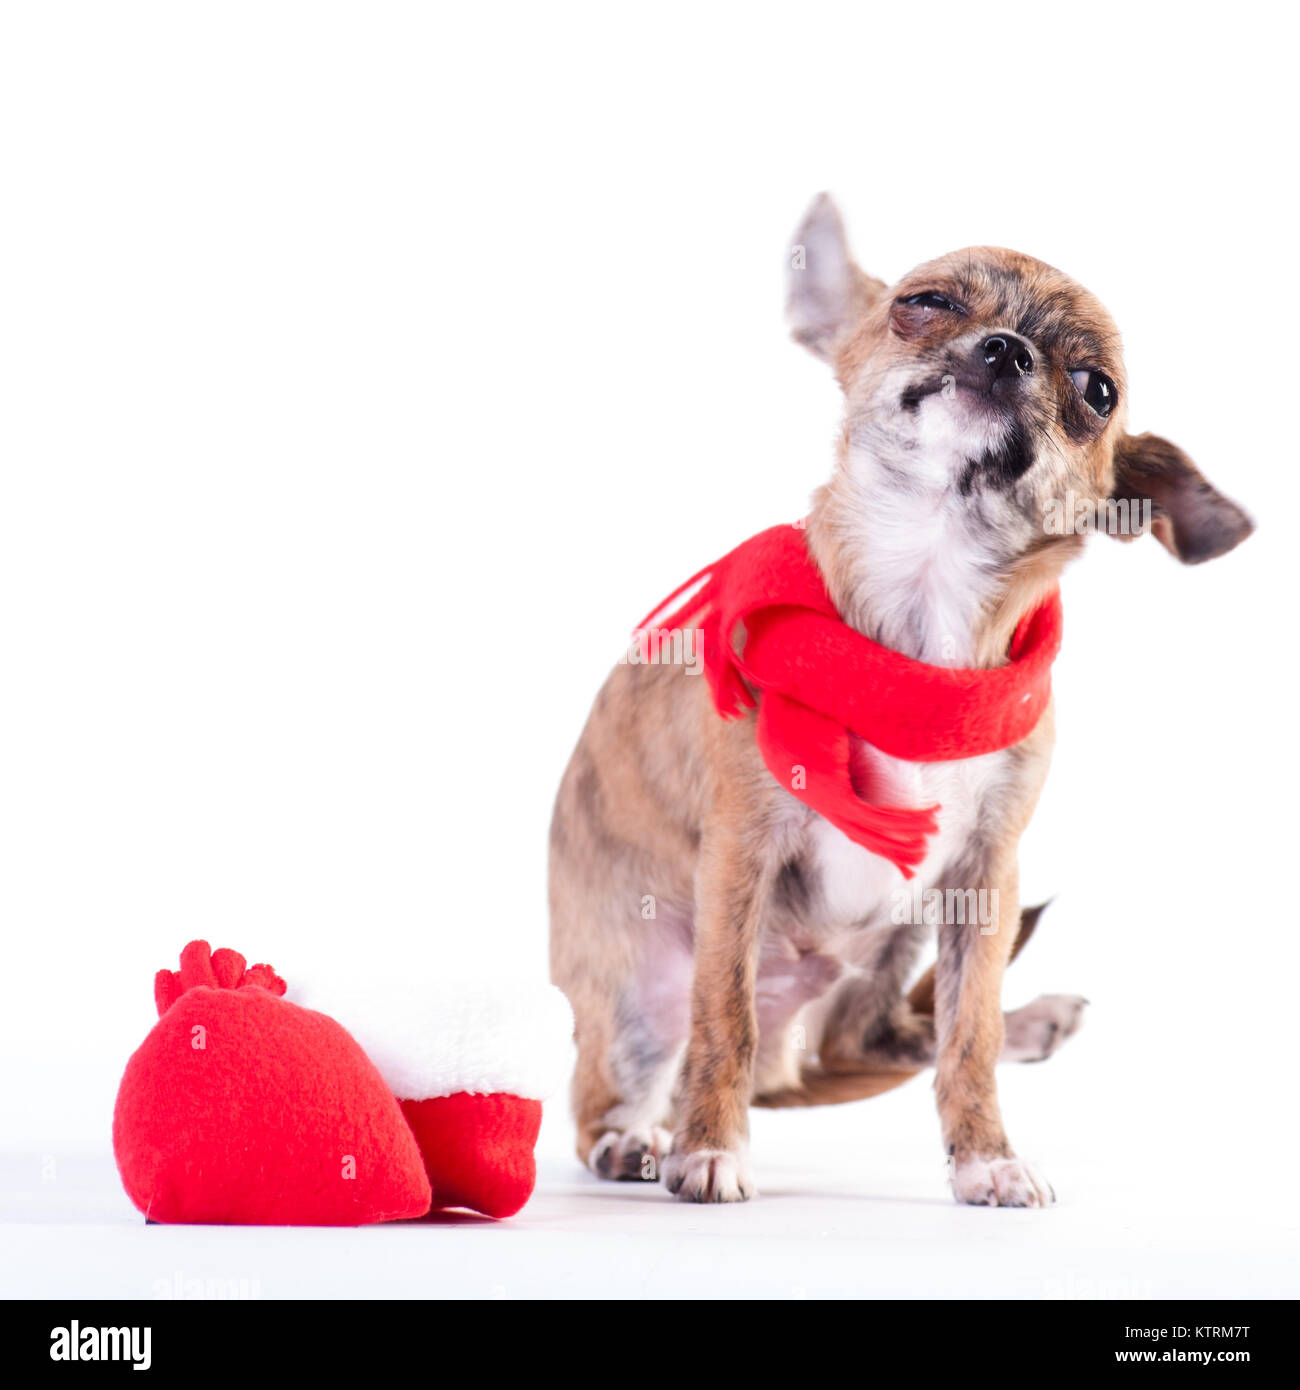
(470, 1058)
(352, 1098)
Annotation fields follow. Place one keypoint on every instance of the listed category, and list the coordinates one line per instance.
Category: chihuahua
(721, 943)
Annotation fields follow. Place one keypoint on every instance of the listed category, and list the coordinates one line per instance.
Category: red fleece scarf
(819, 681)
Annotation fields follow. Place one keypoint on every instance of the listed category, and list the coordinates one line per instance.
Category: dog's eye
(932, 299)
(1096, 388)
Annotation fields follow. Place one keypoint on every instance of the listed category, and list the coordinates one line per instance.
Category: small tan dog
(721, 943)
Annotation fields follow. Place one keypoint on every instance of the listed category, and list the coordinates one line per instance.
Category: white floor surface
(853, 1203)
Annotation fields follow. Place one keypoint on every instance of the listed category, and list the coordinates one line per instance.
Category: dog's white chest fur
(922, 576)
(856, 884)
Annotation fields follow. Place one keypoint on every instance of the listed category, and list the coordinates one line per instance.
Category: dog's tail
(818, 1087)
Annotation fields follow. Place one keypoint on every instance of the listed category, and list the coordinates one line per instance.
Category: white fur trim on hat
(444, 1036)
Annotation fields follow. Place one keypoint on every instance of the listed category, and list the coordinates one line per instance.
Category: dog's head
(998, 382)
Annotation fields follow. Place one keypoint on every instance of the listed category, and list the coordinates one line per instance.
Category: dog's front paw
(1000, 1182)
(1036, 1031)
(709, 1175)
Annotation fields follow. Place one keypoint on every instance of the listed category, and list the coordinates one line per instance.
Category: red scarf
(820, 682)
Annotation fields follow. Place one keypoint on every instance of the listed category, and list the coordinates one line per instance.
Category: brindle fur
(695, 927)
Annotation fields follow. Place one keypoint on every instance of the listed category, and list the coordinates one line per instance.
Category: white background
(367, 371)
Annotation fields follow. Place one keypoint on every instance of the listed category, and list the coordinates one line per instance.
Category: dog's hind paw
(631, 1155)
(1036, 1031)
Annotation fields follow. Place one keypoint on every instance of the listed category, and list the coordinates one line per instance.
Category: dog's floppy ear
(828, 294)
(1189, 517)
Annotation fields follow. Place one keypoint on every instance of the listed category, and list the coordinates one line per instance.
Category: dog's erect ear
(828, 293)
(1189, 517)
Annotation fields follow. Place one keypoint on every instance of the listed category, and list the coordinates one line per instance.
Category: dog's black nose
(1007, 355)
